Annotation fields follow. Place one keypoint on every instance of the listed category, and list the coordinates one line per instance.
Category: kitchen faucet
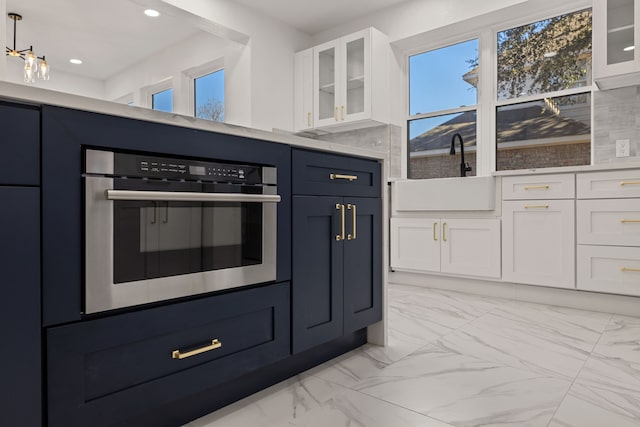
(464, 167)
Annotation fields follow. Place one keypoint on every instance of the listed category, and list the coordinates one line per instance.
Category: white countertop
(33, 95)
(571, 169)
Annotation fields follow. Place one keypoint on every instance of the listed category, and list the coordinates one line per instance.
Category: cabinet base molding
(579, 299)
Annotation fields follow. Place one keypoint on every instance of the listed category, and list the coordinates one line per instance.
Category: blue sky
(163, 101)
(435, 83)
(210, 86)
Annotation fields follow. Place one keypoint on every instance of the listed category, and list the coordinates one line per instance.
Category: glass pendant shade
(29, 73)
(30, 58)
(43, 70)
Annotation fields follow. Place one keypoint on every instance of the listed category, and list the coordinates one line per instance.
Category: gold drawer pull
(536, 206)
(444, 236)
(435, 226)
(340, 176)
(340, 207)
(623, 183)
(536, 187)
(176, 354)
(627, 269)
(309, 119)
(624, 221)
(354, 225)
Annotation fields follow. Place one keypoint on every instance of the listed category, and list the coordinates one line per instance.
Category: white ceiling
(111, 35)
(314, 16)
(108, 35)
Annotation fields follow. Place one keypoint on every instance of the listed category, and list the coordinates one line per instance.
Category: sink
(472, 193)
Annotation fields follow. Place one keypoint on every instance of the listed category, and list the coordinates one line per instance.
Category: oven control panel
(135, 165)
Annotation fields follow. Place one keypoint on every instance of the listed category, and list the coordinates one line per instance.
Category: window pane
(546, 133)
(545, 56)
(444, 78)
(209, 96)
(430, 144)
(162, 101)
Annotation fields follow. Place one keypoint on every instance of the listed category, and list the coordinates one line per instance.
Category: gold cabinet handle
(536, 187)
(435, 227)
(335, 114)
(309, 119)
(623, 183)
(340, 207)
(340, 176)
(177, 354)
(627, 269)
(353, 221)
(536, 206)
(444, 236)
(342, 108)
(624, 221)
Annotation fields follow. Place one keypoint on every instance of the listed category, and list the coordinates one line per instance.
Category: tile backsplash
(616, 116)
(383, 138)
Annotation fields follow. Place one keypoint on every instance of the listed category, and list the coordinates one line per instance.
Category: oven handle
(170, 196)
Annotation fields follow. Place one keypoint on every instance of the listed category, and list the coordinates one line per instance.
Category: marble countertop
(37, 96)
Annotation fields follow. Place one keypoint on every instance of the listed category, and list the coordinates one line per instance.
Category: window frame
(486, 108)
(539, 96)
(451, 41)
(190, 75)
(147, 92)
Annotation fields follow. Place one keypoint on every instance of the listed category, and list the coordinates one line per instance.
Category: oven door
(149, 240)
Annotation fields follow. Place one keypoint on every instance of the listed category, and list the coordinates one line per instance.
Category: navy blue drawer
(108, 370)
(324, 174)
(19, 145)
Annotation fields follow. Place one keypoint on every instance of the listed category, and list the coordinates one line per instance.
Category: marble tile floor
(456, 359)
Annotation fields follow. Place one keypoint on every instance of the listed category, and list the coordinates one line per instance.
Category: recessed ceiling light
(75, 61)
(628, 48)
(152, 13)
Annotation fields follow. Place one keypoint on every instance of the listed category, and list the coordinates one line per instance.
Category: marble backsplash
(383, 138)
(616, 116)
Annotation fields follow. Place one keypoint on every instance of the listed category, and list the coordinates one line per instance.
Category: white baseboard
(584, 300)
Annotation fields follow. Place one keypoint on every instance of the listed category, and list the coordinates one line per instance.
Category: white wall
(169, 63)
(265, 67)
(60, 82)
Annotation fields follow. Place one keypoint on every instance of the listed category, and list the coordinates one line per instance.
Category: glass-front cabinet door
(342, 81)
(356, 77)
(325, 83)
(616, 38)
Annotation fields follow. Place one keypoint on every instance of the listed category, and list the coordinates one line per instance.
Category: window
(443, 98)
(209, 96)
(543, 114)
(163, 100)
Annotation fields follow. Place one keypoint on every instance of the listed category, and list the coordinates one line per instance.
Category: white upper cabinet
(350, 83)
(615, 38)
(303, 102)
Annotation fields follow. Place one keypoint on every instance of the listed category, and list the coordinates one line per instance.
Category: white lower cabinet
(538, 242)
(469, 247)
(611, 269)
(608, 226)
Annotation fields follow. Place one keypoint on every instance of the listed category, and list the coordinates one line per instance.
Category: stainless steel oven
(158, 228)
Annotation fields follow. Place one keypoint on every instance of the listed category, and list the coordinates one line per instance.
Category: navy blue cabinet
(106, 371)
(19, 145)
(20, 321)
(337, 248)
